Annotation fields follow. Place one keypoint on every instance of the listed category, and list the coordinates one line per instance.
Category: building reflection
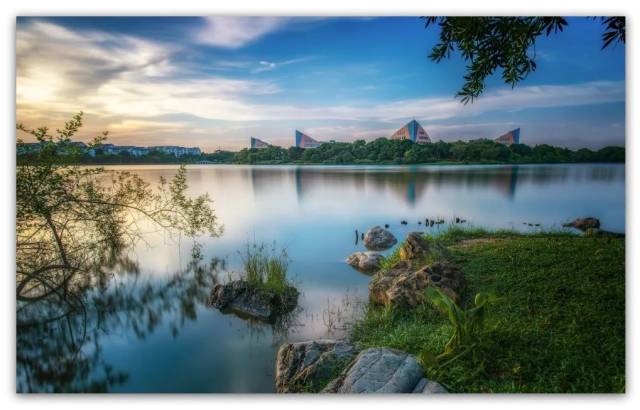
(407, 184)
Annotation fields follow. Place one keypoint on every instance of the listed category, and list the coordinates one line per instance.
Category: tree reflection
(75, 281)
(59, 337)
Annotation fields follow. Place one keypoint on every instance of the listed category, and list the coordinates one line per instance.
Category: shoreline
(558, 325)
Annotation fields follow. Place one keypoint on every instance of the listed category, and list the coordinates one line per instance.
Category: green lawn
(559, 327)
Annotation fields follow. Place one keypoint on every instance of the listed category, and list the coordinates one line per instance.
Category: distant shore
(378, 152)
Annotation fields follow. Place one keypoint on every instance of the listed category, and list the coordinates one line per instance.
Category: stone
(414, 247)
(583, 223)
(380, 370)
(402, 287)
(258, 303)
(427, 386)
(379, 239)
(312, 364)
(366, 262)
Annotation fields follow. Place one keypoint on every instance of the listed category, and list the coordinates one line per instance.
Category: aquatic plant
(266, 267)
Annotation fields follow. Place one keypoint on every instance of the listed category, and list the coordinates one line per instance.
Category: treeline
(379, 151)
(386, 151)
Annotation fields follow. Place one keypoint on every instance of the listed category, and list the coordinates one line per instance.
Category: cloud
(63, 71)
(268, 65)
(125, 83)
(236, 32)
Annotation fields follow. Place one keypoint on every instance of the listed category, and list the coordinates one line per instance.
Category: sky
(214, 82)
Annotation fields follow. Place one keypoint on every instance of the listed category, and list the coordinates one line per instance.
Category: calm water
(184, 346)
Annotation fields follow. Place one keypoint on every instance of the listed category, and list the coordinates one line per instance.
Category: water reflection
(59, 338)
(411, 183)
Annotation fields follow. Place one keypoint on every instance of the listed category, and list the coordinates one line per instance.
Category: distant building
(412, 131)
(175, 150)
(305, 141)
(258, 144)
(111, 149)
(511, 137)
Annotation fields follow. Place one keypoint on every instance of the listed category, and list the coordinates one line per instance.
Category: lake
(181, 345)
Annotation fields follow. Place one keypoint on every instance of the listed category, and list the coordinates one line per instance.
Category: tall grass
(266, 267)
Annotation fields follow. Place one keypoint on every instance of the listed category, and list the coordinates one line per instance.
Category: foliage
(467, 326)
(266, 267)
(387, 151)
(560, 326)
(379, 151)
(72, 222)
(489, 44)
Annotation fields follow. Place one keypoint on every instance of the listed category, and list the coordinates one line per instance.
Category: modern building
(412, 131)
(305, 141)
(258, 143)
(511, 137)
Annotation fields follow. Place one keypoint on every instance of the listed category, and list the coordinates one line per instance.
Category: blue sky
(214, 82)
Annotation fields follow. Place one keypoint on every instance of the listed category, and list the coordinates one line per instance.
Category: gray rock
(379, 239)
(311, 364)
(262, 304)
(367, 262)
(427, 386)
(379, 370)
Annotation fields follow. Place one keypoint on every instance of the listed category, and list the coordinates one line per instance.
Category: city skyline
(215, 82)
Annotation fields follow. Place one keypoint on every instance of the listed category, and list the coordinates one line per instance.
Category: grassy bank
(559, 326)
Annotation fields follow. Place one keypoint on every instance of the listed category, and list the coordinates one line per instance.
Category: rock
(311, 364)
(367, 262)
(583, 224)
(403, 287)
(262, 304)
(381, 370)
(414, 247)
(379, 239)
(427, 386)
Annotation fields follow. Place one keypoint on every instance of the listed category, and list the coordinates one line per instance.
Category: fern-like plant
(467, 326)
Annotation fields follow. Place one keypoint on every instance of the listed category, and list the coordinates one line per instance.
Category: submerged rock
(404, 287)
(583, 224)
(304, 365)
(259, 303)
(379, 239)
(366, 262)
(382, 370)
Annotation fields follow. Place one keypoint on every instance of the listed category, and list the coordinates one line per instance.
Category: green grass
(559, 327)
(265, 267)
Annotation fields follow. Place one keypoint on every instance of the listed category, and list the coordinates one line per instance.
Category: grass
(560, 325)
(266, 267)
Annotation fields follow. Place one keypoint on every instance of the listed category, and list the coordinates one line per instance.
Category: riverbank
(559, 325)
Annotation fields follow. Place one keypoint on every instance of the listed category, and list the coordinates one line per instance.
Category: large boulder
(379, 239)
(583, 224)
(382, 370)
(366, 262)
(414, 247)
(305, 366)
(404, 287)
(256, 302)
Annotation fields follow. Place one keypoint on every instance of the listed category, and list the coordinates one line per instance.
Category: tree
(502, 43)
(72, 222)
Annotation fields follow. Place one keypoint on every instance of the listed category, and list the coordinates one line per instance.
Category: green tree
(489, 44)
(70, 221)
